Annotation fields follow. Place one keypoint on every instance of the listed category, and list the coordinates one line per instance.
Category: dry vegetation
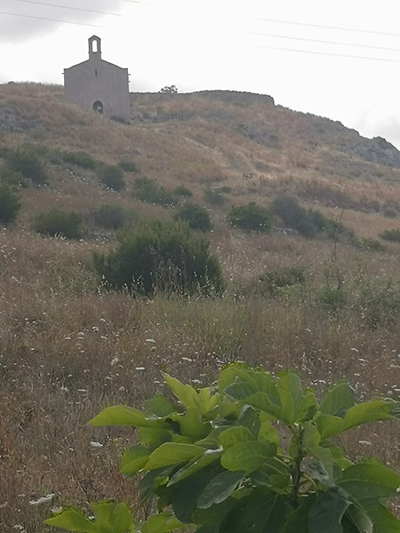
(67, 347)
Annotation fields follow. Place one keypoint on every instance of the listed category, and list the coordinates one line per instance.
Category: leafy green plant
(196, 216)
(181, 190)
(111, 216)
(255, 453)
(10, 204)
(128, 165)
(147, 190)
(276, 282)
(80, 159)
(251, 217)
(112, 177)
(392, 235)
(164, 255)
(26, 162)
(56, 222)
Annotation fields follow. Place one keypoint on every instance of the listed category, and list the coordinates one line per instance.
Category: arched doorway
(98, 107)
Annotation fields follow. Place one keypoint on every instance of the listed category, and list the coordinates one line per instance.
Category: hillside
(326, 303)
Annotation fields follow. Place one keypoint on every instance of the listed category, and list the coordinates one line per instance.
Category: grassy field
(67, 347)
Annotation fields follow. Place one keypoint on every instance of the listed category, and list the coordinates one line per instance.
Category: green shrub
(111, 216)
(10, 204)
(28, 164)
(80, 159)
(214, 197)
(293, 215)
(163, 255)
(392, 235)
(181, 190)
(112, 177)
(196, 216)
(56, 222)
(254, 453)
(10, 176)
(147, 190)
(128, 165)
(370, 244)
(276, 282)
(251, 217)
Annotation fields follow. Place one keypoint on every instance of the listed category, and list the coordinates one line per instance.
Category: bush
(10, 176)
(214, 197)
(128, 166)
(276, 282)
(293, 215)
(58, 223)
(163, 255)
(80, 159)
(255, 453)
(28, 164)
(181, 190)
(111, 216)
(147, 190)
(392, 235)
(112, 177)
(250, 217)
(10, 204)
(196, 216)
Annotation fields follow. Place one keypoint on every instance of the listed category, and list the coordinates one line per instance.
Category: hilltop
(209, 140)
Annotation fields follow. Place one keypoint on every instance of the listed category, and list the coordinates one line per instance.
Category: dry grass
(66, 347)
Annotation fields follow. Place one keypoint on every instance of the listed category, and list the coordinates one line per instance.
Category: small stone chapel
(99, 85)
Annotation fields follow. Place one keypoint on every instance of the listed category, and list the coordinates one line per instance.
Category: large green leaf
(153, 437)
(357, 415)
(234, 435)
(250, 419)
(171, 453)
(360, 519)
(184, 495)
(337, 399)
(369, 480)
(248, 456)
(113, 518)
(219, 488)
(185, 393)
(297, 520)
(191, 423)
(383, 520)
(327, 512)
(312, 440)
(161, 523)
(72, 520)
(109, 518)
(133, 460)
(159, 407)
(263, 511)
(122, 415)
(195, 465)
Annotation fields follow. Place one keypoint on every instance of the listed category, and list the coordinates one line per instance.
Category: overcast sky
(338, 59)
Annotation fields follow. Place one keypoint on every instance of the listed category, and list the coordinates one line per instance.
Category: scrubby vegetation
(58, 223)
(112, 176)
(147, 190)
(251, 217)
(196, 216)
(156, 255)
(10, 204)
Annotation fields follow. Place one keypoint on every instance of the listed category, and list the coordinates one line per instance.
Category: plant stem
(298, 434)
